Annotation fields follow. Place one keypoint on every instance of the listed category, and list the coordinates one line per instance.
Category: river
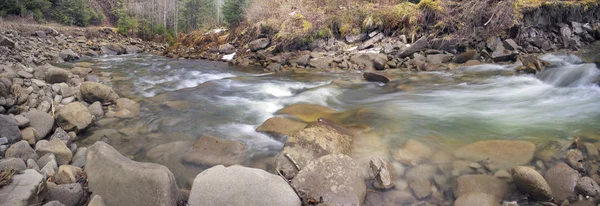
(182, 100)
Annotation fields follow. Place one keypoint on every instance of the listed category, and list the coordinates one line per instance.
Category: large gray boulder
(332, 179)
(42, 122)
(74, 117)
(56, 75)
(23, 189)
(92, 91)
(238, 185)
(9, 129)
(318, 139)
(113, 176)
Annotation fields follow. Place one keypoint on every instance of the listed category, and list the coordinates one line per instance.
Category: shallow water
(446, 109)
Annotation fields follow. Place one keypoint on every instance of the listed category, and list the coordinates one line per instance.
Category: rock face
(23, 190)
(56, 75)
(110, 174)
(74, 117)
(334, 179)
(213, 151)
(9, 129)
(42, 122)
(314, 141)
(259, 44)
(562, 180)
(57, 147)
(280, 125)
(532, 183)
(92, 91)
(501, 153)
(238, 185)
(480, 183)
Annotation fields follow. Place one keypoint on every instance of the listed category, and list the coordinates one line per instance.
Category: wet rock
(439, 58)
(9, 129)
(96, 201)
(67, 194)
(477, 198)
(588, 186)
(57, 147)
(532, 183)
(419, 180)
(67, 174)
(382, 173)
(16, 164)
(209, 151)
(110, 174)
(127, 108)
(500, 154)
(413, 152)
(82, 64)
(306, 112)
(464, 57)
(370, 61)
(21, 150)
(113, 49)
(575, 160)
(68, 55)
(314, 141)
(334, 179)
(532, 64)
(81, 71)
(92, 92)
(226, 48)
(562, 180)
(238, 185)
(373, 77)
(74, 117)
(480, 183)
(282, 126)
(591, 151)
(56, 75)
(259, 44)
(396, 197)
(96, 110)
(419, 45)
(23, 189)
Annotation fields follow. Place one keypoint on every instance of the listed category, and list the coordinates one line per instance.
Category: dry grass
(6, 177)
(28, 27)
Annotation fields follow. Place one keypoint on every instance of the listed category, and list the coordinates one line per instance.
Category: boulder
(259, 44)
(413, 152)
(480, 183)
(4, 41)
(209, 151)
(332, 180)
(531, 183)
(68, 55)
(226, 48)
(16, 164)
(321, 62)
(54, 203)
(588, 186)
(113, 49)
(21, 150)
(56, 75)
(500, 154)
(67, 174)
(382, 173)
(281, 126)
(24, 74)
(23, 190)
(42, 122)
(439, 58)
(132, 49)
(110, 174)
(465, 56)
(501, 54)
(31, 164)
(127, 108)
(81, 71)
(306, 112)
(9, 129)
(532, 64)
(373, 77)
(316, 140)
(238, 185)
(301, 60)
(575, 160)
(477, 198)
(369, 43)
(351, 39)
(57, 147)
(419, 45)
(562, 180)
(74, 117)
(96, 110)
(67, 194)
(370, 61)
(79, 157)
(92, 92)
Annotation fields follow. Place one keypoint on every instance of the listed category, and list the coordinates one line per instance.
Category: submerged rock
(238, 185)
(209, 151)
(480, 183)
(373, 77)
(588, 186)
(532, 183)
(331, 180)
(501, 154)
(110, 174)
(383, 173)
(282, 126)
(477, 198)
(306, 112)
(562, 180)
(413, 152)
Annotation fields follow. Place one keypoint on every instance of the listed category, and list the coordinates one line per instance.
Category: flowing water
(182, 100)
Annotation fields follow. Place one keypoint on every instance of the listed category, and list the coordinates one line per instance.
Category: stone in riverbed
(127, 108)
(67, 174)
(81, 71)
(306, 112)
(16, 164)
(373, 77)
(67, 194)
(110, 174)
(238, 185)
(42, 122)
(60, 134)
(282, 126)
(68, 55)
(588, 186)
(413, 152)
(316, 140)
(74, 117)
(21, 150)
(54, 203)
(92, 92)
(591, 151)
(501, 153)
(56, 75)
(9, 129)
(382, 173)
(562, 180)
(575, 160)
(370, 61)
(23, 189)
(419, 180)
(532, 183)
(334, 179)
(259, 44)
(209, 151)
(477, 198)
(57, 147)
(480, 183)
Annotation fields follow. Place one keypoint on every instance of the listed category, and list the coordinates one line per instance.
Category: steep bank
(535, 27)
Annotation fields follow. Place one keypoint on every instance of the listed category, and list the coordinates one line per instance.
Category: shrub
(233, 11)
(127, 25)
